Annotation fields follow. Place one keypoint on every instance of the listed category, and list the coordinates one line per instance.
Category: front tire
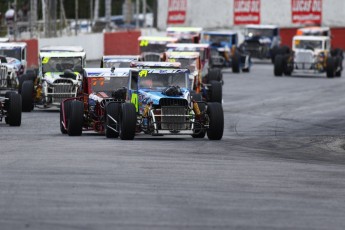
(14, 112)
(216, 92)
(330, 67)
(278, 65)
(75, 120)
(216, 121)
(27, 91)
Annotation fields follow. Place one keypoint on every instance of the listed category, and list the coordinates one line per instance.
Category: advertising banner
(177, 11)
(306, 11)
(246, 12)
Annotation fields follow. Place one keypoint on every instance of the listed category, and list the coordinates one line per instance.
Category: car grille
(173, 102)
(173, 118)
(304, 59)
(61, 89)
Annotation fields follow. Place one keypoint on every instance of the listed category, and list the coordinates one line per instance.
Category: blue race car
(224, 50)
(159, 103)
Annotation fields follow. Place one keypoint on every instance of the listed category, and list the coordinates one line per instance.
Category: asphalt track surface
(280, 165)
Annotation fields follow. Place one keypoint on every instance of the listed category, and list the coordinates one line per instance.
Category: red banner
(246, 12)
(306, 11)
(177, 11)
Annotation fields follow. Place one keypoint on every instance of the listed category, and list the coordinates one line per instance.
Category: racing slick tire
(278, 65)
(216, 121)
(113, 110)
(215, 75)
(67, 109)
(75, 119)
(25, 77)
(287, 68)
(330, 67)
(27, 96)
(14, 109)
(216, 92)
(339, 68)
(235, 63)
(128, 120)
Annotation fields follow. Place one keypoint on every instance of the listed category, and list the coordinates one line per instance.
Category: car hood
(50, 77)
(153, 96)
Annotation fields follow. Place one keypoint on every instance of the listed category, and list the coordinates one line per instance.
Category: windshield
(252, 32)
(108, 84)
(15, 53)
(156, 48)
(60, 64)
(186, 63)
(163, 80)
(307, 44)
(117, 64)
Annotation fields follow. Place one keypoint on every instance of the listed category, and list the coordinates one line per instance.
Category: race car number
(172, 60)
(99, 81)
(45, 60)
(144, 43)
(143, 73)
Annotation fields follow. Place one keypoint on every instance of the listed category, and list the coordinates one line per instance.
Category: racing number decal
(45, 60)
(172, 60)
(95, 80)
(143, 73)
(144, 43)
(134, 100)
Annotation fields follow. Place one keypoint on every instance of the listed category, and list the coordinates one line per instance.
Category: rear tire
(14, 112)
(113, 110)
(128, 121)
(216, 121)
(216, 92)
(27, 96)
(75, 120)
(215, 75)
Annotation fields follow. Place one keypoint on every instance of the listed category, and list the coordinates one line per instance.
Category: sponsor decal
(246, 12)
(306, 11)
(177, 11)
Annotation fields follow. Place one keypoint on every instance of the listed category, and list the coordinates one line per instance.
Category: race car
(118, 61)
(9, 70)
(11, 108)
(261, 40)
(160, 104)
(103, 88)
(60, 76)
(185, 34)
(208, 90)
(225, 52)
(15, 50)
(208, 73)
(310, 54)
(152, 48)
